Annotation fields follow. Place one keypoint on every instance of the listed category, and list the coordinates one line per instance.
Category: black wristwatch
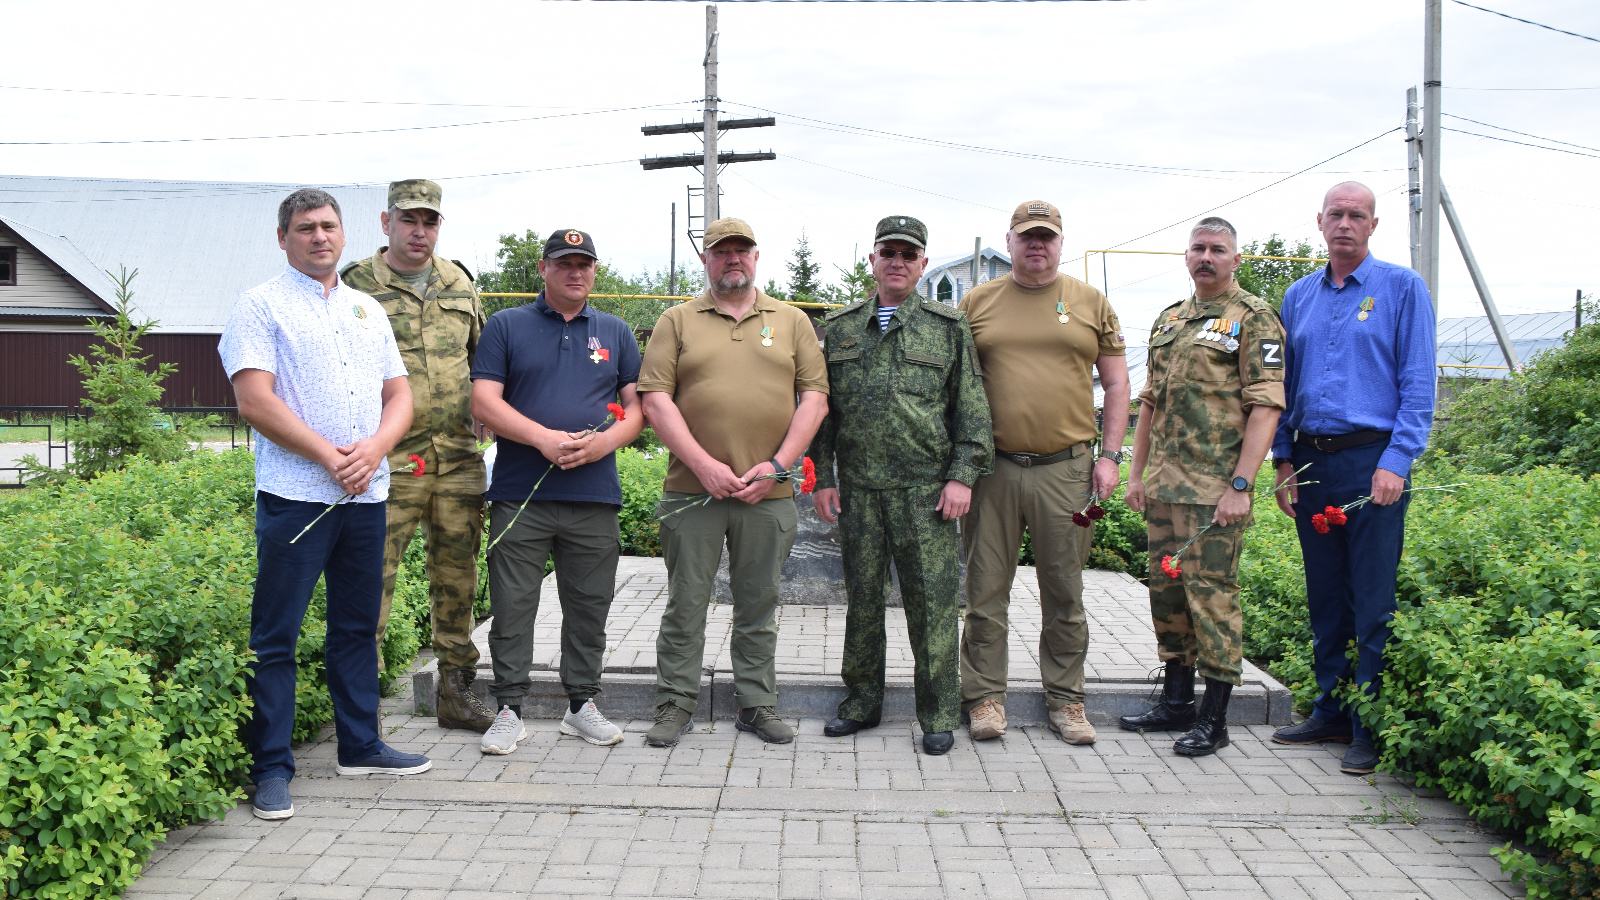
(1239, 484)
(1119, 456)
(782, 473)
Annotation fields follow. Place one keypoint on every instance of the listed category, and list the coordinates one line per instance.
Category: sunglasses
(907, 255)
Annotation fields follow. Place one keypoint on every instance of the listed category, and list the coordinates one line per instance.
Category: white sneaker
(588, 724)
(504, 735)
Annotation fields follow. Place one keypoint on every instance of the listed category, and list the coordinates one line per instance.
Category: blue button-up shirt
(1344, 374)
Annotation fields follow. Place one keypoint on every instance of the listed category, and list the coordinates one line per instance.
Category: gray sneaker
(672, 721)
(763, 722)
(504, 735)
(588, 724)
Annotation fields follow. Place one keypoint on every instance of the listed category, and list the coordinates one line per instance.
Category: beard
(733, 281)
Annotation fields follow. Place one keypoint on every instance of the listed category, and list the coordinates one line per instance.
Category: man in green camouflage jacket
(437, 318)
(1207, 415)
(909, 427)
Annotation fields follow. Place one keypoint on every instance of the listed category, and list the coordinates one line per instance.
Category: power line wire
(1456, 87)
(1490, 137)
(1525, 21)
(60, 90)
(891, 183)
(1523, 133)
(269, 137)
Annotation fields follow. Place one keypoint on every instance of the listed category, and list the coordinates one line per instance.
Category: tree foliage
(124, 403)
(1548, 414)
(855, 283)
(804, 272)
(1270, 278)
(518, 272)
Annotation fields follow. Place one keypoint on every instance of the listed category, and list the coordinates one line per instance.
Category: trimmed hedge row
(124, 633)
(1492, 687)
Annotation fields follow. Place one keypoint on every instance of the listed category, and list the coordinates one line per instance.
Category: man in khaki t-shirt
(1041, 336)
(719, 383)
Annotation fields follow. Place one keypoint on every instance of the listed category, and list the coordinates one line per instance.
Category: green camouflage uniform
(437, 332)
(1201, 391)
(906, 414)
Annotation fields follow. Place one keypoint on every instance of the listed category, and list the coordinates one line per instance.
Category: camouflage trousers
(900, 524)
(1197, 615)
(449, 508)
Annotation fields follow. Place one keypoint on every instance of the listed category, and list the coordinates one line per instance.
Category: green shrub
(642, 477)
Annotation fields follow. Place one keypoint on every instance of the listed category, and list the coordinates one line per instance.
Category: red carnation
(808, 471)
(1095, 512)
(617, 412)
(1320, 523)
(1335, 515)
(420, 464)
(1170, 567)
(1081, 520)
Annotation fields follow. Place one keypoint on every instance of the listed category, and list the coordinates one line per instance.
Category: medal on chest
(1366, 308)
(600, 353)
(1062, 312)
(362, 317)
(1221, 332)
(766, 336)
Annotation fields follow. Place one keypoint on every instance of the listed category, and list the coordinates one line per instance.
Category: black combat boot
(456, 705)
(1210, 731)
(1175, 710)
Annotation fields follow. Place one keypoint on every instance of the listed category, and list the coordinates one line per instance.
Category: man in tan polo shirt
(1040, 336)
(719, 384)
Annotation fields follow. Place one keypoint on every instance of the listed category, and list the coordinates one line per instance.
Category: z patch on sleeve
(1271, 354)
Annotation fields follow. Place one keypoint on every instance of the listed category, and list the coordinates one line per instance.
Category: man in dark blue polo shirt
(1359, 384)
(541, 381)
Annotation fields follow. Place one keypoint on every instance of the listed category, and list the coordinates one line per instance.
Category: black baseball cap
(568, 241)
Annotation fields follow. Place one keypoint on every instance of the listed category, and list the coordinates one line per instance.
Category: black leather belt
(1028, 460)
(1333, 443)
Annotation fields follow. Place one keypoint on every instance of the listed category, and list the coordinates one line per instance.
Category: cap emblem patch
(1038, 209)
(574, 238)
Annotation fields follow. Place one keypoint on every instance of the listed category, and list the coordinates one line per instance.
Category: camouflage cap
(415, 193)
(901, 228)
(722, 229)
(1036, 214)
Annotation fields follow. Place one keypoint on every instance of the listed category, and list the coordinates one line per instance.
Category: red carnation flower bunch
(614, 413)
(805, 470)
(1339, 515)
(416, 468)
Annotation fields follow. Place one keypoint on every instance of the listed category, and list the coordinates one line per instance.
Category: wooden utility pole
(1414, 166)
(1432, 98)
(672, 258)
(710, 164)
(977, 253)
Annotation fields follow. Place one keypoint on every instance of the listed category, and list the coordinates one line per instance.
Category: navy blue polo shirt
(550, 375)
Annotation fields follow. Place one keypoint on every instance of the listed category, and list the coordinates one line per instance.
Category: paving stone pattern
(869, 816)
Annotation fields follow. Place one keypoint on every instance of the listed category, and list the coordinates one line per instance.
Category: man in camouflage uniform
(1207, 416)
(909, 426)
(437, 318)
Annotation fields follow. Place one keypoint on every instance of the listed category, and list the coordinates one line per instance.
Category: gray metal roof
(197, 244)
(1469, 341)
(54, 312)
(65, 254)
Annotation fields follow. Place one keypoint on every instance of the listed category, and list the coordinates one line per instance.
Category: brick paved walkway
(870, 816)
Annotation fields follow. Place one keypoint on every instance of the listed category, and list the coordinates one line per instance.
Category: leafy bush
(642, 477)
(1491, 689)
(1546, 415)
(124, 635)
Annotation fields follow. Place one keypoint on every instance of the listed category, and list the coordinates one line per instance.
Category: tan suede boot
(455, 703)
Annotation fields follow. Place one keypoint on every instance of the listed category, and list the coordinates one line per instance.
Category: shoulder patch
(463, 267)
(1271, 353)
(940, 309)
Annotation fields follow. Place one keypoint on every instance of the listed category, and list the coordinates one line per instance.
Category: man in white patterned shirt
(318, 376)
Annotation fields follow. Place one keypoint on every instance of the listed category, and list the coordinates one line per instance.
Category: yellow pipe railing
(805, 304)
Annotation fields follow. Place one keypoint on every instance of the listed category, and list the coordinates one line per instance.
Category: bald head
(1351, 192)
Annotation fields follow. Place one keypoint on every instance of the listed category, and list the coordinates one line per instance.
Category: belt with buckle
(1029, 460)
(1333, 443)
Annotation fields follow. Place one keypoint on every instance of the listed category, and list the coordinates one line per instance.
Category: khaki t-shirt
(736, 394)
(1037, 371)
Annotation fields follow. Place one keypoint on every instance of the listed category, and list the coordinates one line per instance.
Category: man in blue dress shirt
(1359, 383)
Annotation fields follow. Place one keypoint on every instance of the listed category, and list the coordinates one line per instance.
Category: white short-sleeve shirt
(329, 358)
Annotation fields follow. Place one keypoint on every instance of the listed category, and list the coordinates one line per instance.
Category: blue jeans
(1350, 572)
(347, 546)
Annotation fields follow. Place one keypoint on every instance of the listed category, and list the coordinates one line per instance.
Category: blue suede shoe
(387, 761)
(1360, 759)
(1314, 731)
(272, 799)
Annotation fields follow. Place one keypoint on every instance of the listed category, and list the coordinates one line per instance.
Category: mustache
(1206, 268)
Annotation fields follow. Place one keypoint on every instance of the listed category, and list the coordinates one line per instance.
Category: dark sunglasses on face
(907, 255)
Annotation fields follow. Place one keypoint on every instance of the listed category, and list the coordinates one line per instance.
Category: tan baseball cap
(722, 229)
(415, 193)
(1036, 214)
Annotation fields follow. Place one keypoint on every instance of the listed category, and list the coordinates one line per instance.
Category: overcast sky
(1216, 99)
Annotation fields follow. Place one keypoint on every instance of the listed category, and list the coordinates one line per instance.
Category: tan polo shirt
(737, 394)
(1037, 371)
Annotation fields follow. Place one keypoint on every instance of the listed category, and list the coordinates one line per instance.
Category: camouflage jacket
(438, 335)
(905, 406)
(1210, 362)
